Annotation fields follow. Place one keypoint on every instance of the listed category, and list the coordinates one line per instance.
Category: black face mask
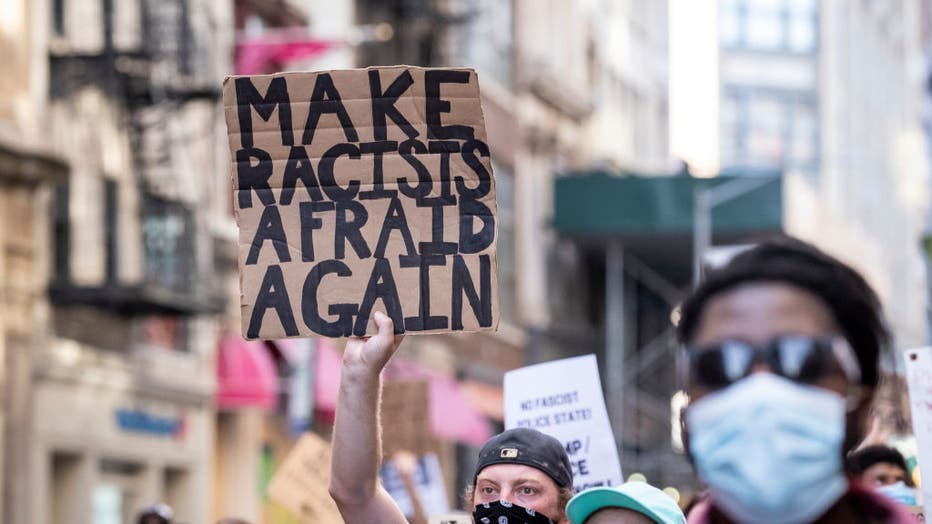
(503, 512)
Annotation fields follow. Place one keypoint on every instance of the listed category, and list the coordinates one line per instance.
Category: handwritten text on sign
(362, 190)
(563, 398)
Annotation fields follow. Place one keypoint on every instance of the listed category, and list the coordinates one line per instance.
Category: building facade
(28, 169)
(829, 93)
(112, 393)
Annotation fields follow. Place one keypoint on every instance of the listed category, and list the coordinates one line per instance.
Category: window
(764, 25)
(111, 242)
(769, 25)
(485, 39)
(168, 332)
(769, 128)
(61, 232)
(58, 17)
(168, 244)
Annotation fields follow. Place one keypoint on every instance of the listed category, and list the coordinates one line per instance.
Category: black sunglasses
(802, 359)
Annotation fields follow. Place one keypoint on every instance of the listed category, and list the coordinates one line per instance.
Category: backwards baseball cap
(636, 496)
(527, 447)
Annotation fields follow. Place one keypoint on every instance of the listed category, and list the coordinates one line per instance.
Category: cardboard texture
(358, 191)
(406, 418)
(301, 483)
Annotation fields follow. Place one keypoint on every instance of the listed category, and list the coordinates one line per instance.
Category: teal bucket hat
(636, 496)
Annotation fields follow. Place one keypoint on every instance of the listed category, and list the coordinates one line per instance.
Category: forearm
(357, 449)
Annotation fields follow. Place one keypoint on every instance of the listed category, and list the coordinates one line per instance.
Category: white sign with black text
(919, 381)
(563, 398)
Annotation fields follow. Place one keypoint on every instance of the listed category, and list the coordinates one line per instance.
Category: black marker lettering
(299, 168)
(327, 178)
(378, 181)
(409, 149)
(308, 224)
(253, 177)
(247, 96)
(424, 321)
(475, 242)
(272, 294)
(343, 325)
(435, 105)
(350, 231)
(383, 104)
(382, 287)
(395, 220)
(481, 303)
(323, 87)
(270, 228)
(485, 179)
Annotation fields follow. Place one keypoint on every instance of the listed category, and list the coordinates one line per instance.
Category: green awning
(602, 204)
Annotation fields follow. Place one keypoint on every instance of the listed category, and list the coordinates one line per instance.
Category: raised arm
(357, 448)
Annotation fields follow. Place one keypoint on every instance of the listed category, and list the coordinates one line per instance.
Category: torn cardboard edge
(333, 226)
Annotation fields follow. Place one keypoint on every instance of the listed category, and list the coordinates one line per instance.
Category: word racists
(358, 191)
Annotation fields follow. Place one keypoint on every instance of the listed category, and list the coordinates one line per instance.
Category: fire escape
(152, 82)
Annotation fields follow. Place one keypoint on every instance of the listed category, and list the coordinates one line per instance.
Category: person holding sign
(522, 477)
(782, 347)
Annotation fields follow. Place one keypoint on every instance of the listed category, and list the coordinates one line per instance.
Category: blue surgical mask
(899, 492)
(770, 449)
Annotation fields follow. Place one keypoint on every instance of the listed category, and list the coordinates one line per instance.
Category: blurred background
(634, 143)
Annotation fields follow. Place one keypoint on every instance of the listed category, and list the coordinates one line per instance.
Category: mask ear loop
(849, 365)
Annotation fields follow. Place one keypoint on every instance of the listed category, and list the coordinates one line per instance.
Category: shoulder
(701, 511)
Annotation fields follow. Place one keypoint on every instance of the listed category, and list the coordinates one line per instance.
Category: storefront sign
(139, 421)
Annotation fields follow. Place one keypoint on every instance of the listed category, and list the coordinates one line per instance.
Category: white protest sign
(563, 398)
(919, 381)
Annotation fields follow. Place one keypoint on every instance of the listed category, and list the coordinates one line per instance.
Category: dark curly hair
(859, 461)
(851, 300)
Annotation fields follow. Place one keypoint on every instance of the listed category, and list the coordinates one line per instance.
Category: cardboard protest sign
(563, 398)
(358, 191)
(919, 380)
(406, 418)
(301, 483)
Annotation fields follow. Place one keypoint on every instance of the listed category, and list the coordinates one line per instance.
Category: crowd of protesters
(780, 363)
(780, 350)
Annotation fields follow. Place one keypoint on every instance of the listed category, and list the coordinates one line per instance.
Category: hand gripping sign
(362, 190)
